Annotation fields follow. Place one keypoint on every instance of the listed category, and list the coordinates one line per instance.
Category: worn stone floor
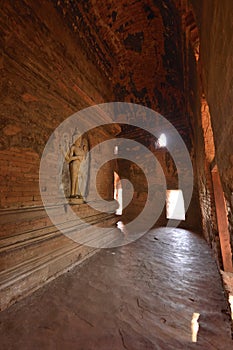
(136, 297)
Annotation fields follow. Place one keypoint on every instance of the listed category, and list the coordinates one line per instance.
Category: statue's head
(78, 142)
(76, 135)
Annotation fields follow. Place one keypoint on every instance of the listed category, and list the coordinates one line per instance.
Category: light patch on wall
(162, 141)
(175, 205)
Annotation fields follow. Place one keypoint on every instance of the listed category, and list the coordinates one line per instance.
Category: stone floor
(136, 297)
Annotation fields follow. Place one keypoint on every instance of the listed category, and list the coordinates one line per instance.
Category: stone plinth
(33, 251)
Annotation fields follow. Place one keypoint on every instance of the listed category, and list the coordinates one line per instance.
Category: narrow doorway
(118, 193)
(175, 205)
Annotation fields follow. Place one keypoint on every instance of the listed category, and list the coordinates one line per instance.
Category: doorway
(118, 193)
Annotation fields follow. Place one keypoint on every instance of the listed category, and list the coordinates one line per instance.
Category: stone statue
(77, 157)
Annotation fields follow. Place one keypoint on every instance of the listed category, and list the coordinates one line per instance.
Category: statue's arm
(69, 155)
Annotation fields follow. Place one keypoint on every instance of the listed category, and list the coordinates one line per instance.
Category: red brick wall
(46, 75)
(217, 61)
(210, 106)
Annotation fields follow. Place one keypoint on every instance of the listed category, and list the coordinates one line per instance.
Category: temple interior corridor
(116, 174)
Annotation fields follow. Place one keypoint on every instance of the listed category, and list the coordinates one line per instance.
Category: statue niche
(78, 159)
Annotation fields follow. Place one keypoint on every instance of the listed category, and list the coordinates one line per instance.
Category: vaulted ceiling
(139, 46)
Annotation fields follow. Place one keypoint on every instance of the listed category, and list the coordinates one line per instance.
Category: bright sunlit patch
(162, 141)
(175, 205)
(195, 326)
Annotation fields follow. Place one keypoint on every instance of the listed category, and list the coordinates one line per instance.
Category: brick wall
(217, 60)
(46, 75)
(209, 106)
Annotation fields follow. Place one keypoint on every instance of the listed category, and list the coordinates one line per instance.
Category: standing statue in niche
(78, 159)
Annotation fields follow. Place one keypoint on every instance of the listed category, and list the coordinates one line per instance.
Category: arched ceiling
(138, 46)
